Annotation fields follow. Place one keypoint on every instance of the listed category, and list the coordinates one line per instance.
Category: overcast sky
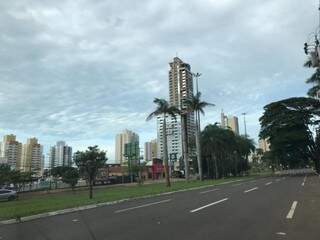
(81, 71)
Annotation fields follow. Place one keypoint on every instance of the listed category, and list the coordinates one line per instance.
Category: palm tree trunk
(184, 146)
(198, 146)
(165, 151)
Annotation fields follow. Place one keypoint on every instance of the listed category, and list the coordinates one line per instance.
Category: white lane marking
(75, 220)
(304, 181)
(211, 204)
(250, 190)
(141, 206)
(212, 190)
(281, 233)
(268, 183)
(292, 209)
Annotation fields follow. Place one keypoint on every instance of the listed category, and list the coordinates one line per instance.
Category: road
(264, 208)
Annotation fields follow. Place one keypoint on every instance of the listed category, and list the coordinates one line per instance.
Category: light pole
(197, 76)
(245, 124)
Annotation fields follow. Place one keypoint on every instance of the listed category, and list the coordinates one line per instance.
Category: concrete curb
(91, 206)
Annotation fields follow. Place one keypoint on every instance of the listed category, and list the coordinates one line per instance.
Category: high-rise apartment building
(32, 158)
(126, 136)
(180, 89)
(60, 155)
(150, 150)
(230, 122)
(264, 145)
(10, 151)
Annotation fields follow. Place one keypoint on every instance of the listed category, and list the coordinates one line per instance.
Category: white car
(6, 194)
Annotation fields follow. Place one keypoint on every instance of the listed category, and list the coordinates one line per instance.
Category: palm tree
(164, 109)
(194, 104)
(314, 79)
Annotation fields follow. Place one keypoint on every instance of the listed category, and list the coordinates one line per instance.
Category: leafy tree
(224, 153)
(71, 176)
(197, 106)
(89, 162)
(164, 109)
(314, 79)
(287, 124)
(5, 172)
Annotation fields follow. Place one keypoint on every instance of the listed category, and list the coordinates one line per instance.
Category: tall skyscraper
(32, 157)
(60, 155)
(150, 150)
(180, 89)
(230, 122)
(126, 136)
(10, 151)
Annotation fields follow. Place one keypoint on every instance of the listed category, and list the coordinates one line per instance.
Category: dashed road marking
(304, 181)
(281, 233)
(212, 190)
(292, 209)
(208, 205)
(268, 183)
(250, 190)
(141, 206)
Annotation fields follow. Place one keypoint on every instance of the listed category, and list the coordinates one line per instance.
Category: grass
(30, 204)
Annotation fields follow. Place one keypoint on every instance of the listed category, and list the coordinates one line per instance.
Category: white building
(60, 155)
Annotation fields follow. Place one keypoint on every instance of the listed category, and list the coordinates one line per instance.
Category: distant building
(10, 151)
(180, 88)
(60, 155)
(126, 136)
(264, 145)
(230, 122)
(150, 150)
(32, 158)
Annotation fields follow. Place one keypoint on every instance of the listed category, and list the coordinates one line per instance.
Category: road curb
(91, 206)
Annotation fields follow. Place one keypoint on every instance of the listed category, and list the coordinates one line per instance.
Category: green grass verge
(31, 204)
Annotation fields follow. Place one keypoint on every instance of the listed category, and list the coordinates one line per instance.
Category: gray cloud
(83, 70)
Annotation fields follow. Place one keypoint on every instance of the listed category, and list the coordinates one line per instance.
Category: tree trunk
(90, 188)
(165, 152)
(184, 146)
(216, 167)
(198, 146)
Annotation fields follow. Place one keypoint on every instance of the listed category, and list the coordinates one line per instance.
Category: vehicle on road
(8, 195)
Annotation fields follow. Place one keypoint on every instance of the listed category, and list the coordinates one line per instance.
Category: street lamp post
(245, 124)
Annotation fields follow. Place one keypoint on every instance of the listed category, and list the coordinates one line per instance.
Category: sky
(83, 70)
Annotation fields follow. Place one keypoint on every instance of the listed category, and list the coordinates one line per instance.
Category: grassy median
(34, 203)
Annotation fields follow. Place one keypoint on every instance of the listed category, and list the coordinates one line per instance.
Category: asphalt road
(265, 208)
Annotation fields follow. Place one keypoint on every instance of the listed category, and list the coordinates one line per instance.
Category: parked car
(7, 194)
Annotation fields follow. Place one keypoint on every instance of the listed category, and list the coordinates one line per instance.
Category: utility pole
(245, 124)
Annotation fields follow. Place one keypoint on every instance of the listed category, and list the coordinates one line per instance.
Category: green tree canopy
(287, 125)
(89, 162)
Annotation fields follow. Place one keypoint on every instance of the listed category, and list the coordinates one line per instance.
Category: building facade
(150, 150)
(32, 157)
(60, 155)
(230, 122)
(180, 89)
(11, 151)
(126, 136)
(264, 145)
